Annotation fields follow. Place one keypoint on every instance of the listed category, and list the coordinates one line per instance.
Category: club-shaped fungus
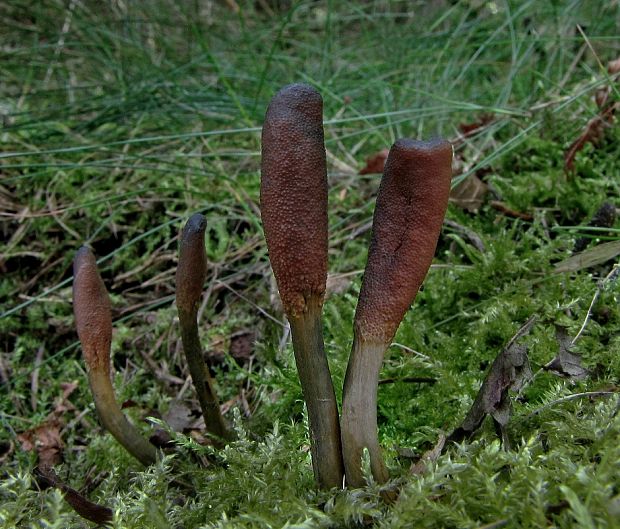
(294, 213)
(93, 319)
(411, 204)
(190, 277)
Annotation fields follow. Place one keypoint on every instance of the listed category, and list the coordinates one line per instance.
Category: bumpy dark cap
(92, 310)
(411, 204)
(294, 195)
(192, 268)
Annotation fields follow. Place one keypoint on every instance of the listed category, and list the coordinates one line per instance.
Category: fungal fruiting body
(93, 318)
(294, 214)
(411, 204)
(190, 277)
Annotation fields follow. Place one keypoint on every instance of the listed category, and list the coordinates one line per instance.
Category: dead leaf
(509, 212)
(45, 440)
(601, 96)
(566, 363)
(47, 478)
(594, 130)
(375, 163)
(62, 404)
(468, 129)
(239, 345)
(161, 439)
(129, 403)
(68, 388)
(179, 416)
(429, 456)
(242, 345)
(597, 255)
(510, 371)
(469, 194)
(592, 133)
(474, 239)
(613, 67)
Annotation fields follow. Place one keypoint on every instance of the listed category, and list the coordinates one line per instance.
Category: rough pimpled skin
(409, 212)
(192, 268)
(294, 195)
(92, 310)
(411, 204)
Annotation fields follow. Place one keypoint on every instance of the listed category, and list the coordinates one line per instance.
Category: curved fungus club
(93, 318)
(411, 204)
(294, 213)
(190, 277)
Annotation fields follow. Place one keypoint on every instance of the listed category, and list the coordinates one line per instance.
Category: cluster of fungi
(410, 207)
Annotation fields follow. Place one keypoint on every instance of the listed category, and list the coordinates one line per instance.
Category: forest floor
(121, 119)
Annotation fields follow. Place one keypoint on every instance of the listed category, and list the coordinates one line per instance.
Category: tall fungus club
(93, 319)
(411, 204)
(190, 278)
(293, 198)
(409, 212)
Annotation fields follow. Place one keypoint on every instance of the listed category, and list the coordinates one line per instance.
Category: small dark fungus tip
(298, 97)
(408, 148)
(296, 91)
(83, 256)
(192, 268)
(196, 224)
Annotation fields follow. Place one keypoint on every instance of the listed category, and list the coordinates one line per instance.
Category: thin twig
(409, 380)
(525, 329)
(34, 381)
(410, 350)
(259, 309)
(609, 278)
(571, 397)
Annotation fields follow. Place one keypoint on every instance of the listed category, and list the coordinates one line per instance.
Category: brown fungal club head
(92, 310)
(294, 195)
(192, 268)
(411, 204)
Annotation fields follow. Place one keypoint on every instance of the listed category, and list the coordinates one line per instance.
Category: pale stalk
(318, 391)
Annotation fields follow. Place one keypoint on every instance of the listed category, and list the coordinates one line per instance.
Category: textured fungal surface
(92, 310)
(411, 204)
(192, 268)
(294, 194)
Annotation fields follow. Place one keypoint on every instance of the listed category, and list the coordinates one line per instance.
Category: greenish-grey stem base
(318, 390)
(115, 422)
(359, 412)
(209, 403)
